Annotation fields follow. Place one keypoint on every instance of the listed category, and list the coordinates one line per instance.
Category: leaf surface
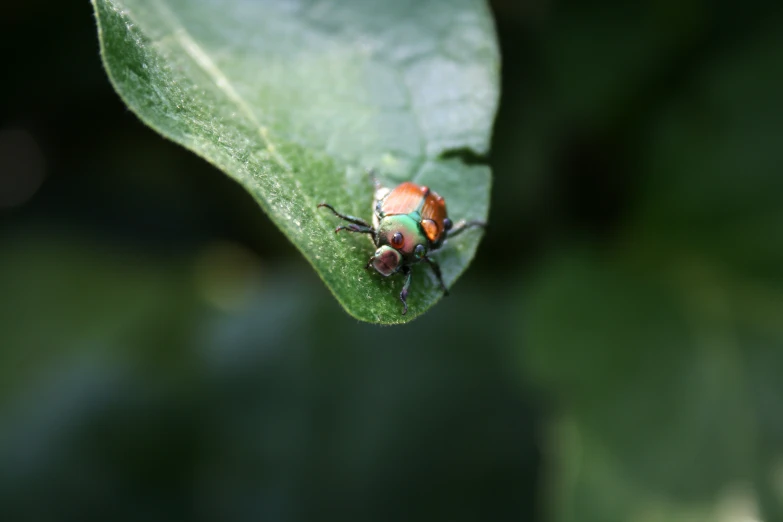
(296, 99)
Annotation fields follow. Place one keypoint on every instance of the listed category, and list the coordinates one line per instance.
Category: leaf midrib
(221, 81)
(200, 57)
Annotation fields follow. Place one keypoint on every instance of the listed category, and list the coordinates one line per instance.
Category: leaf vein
(221, 81)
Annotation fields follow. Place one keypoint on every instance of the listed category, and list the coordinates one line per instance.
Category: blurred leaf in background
(662, 342)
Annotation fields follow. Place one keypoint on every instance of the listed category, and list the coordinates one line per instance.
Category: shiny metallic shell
(408, 198)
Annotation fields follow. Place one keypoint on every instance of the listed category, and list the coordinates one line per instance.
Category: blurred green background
(613, 353)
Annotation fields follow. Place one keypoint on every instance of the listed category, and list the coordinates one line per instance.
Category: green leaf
(296, 99)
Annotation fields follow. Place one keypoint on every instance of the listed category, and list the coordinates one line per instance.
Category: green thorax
(408, 226)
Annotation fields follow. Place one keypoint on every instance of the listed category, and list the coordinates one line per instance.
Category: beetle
(409, 222)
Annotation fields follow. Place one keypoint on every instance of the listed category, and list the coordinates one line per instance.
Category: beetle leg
(464, 225)
(355, 228)
(346, 217)
(436, 268)
(405, 287)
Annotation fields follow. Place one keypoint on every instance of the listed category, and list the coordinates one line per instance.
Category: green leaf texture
(296, 99)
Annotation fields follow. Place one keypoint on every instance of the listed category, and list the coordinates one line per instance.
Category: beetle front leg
(436, 268)
(463, 226)
(355, 228)
(405, 287)
(351, 219)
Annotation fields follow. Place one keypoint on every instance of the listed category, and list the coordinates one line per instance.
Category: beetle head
(386, 260)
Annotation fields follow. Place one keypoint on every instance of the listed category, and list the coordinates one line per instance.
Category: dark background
(613, 353)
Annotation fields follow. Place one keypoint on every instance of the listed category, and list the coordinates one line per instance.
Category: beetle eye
(397, 240)
(447, 224)
(419, 251)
